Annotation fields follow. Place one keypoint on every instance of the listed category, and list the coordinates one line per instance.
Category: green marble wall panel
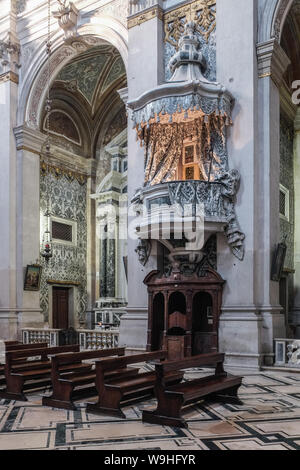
(287, 228)
(67, 200)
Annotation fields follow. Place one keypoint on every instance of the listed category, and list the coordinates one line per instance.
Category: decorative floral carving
(218, 200)
(202, 12)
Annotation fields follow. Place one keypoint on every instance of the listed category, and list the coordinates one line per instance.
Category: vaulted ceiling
(85, 101)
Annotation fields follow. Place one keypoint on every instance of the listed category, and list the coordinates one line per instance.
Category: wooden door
(60, 308)
(204, 335)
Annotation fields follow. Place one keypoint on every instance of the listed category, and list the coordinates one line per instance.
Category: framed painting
(33, 277)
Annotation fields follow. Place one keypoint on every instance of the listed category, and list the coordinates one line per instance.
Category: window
(284, 203)
(189, 154)
(190, 167)
(63, 231)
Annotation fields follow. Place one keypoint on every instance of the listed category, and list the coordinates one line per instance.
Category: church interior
(150, 235)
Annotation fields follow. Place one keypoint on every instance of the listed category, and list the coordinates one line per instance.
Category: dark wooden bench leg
(108, 403)
(14, 389)
(230, 395)
(61, 397)
(167, 413)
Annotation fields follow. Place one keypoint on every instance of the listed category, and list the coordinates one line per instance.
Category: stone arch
(272, 18)
(100, 30)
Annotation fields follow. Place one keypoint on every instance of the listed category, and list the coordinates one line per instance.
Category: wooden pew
(171, 399)
(111, 392)
(32, 374)
(22, 347)
(9, 343)
(17, 346)
(66, 386)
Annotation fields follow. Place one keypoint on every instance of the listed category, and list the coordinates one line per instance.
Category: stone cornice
(29, 139)
(9, 77)
(154, 12)
(272, 61)
(33, 141)
(123, 92)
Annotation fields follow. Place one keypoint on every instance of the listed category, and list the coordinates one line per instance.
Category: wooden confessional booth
(183, 312)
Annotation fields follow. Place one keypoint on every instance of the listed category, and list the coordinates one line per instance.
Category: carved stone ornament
(201, 12)
(218, 199)
(9, 54)
(67, 16)
(143, 251)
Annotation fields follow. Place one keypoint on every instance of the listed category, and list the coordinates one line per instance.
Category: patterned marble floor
(269, 419)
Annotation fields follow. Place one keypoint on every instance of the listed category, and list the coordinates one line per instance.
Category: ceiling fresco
(85, 98)
(90, 68)
(117, 69)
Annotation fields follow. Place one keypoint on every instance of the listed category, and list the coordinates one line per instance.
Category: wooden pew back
(85, 355)
(12, 357)
(202, 360)
(118, 363)
(24, 347)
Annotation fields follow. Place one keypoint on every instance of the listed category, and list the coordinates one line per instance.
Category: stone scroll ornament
(218, 200)
(143, 251)
(190, 108)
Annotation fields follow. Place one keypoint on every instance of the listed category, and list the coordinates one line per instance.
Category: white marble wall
(145, 71)
(251, 314)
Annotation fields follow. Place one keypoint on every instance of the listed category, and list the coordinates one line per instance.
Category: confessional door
(204, 333)
(158, 323)
(60, 308)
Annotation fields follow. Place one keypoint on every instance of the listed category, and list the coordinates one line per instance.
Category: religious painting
(33, 277)
(278, 262)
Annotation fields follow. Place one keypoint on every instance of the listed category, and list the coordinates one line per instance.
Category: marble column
(28, 143)
(9, 183)
(8, 207)
(91, 244)
(240, 322)
(251, 315)
(272, 63)
(145, 71)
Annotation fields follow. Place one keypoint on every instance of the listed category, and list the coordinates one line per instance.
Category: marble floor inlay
(268, 419)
